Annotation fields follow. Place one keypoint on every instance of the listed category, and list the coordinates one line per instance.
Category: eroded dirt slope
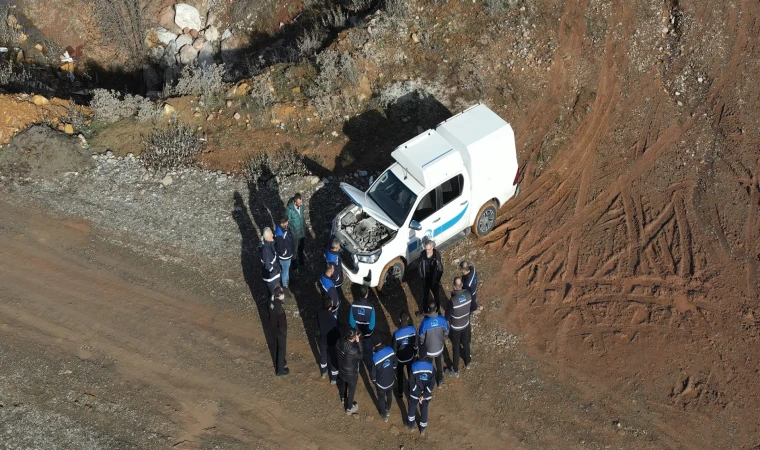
(632, 253)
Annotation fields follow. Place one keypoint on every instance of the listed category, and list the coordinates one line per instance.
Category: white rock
(211, 33)
(185, 16)
(325, 181)
(313, 180)
(168, 180)
(164, 36)
(362, 173)
(109, 154)
(183, 40)
(227, 34)
(168, 58)
(335, 134)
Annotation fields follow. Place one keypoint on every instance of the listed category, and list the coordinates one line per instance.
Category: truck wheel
(485, 220)
(392, 275)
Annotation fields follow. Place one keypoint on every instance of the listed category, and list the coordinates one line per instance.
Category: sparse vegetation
(109, 106)
(205, 82)
(9, 31)
(397, 8)
(261, 94)
(171, 147)
(336, 69)
(121, 24)
(262, 167)
(311, 41)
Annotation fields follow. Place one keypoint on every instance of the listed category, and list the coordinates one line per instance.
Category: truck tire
(392, 275)
(485, 220)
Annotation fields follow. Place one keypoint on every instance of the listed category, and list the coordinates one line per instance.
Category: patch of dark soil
(41, 152)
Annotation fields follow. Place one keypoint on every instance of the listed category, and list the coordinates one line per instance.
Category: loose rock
(187, 16)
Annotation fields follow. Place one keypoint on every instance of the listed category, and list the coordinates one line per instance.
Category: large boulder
(206, 55)
(187, 54)
(185, 16)
(164, 36)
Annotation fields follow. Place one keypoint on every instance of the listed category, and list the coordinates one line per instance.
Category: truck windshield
(393, 197)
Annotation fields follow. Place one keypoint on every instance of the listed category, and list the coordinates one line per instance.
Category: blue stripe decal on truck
(413, 245)
(450, 223)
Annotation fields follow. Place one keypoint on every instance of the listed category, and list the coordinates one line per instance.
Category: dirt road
(105, 348)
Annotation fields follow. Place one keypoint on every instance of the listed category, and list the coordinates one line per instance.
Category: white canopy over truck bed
(487, 145)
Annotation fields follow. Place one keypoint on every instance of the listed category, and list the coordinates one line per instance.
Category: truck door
(425, 214)
(454, 208)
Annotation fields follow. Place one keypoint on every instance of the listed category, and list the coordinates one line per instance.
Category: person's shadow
(250, 264)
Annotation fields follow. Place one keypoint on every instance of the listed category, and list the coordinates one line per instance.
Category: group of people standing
(343, 348)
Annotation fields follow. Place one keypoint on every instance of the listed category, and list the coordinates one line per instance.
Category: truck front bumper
(366, 274)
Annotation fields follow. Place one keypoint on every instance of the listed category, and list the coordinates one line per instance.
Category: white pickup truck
(444, 183)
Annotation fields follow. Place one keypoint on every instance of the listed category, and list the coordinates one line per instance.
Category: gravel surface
(190, 209)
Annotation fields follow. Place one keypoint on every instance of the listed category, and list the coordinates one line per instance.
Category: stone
(183, 40)
(362, 173)
(167, 181)
(211, 34)
(415, 38)
(40, 100)
(296, 90)
(168, 59)
(20, 56)
(168, 110)
(193, 33)
(82, 141)
(109, 154)
(68, 128)
(187, 16)
(166, 20)
(155, 54)
(198, 43)
(206, 54)
(313, 180)
(229, 103)
(227, 34)
(164, 36)
(236, 116)
(211, 18)
(187, 54)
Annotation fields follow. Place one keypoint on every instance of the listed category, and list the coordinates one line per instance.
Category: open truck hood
(362, 200)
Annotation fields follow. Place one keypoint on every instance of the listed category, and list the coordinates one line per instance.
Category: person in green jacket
(297, 225)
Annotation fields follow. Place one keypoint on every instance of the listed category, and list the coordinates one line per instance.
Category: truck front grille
(347, 260)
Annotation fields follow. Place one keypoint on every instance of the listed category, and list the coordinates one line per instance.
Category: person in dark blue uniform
(432, 335)
(405, 347)
(421, 385)
(332, 256)
(327, 286)
(470, 281)
(362, 317)
(384, 365)
(328, 339)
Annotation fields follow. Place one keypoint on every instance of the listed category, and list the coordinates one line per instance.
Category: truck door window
(451, 189)
(426, 207)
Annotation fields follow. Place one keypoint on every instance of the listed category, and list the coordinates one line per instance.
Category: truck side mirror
(414, 225)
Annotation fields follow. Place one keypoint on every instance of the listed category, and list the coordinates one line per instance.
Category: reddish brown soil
(632, 256)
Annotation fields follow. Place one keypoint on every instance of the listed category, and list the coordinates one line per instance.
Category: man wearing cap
(421, 385)
(470, 282)
(327, 287)
(332, 256)
(362, 317)
(278, 326)
(328, 339)
(458, 317)
(270, 266)
(350, 354)
(384, 365)
(432, 335)
(405, 347)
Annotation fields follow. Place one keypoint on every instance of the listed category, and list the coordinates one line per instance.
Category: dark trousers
(347, 388)
(460, 338)
(328, 360)
(413, 404)
(400, 376)
(279, 352)
(299, 244)
(434, 287)
(384, 400)
(474, 304)
(438, 367)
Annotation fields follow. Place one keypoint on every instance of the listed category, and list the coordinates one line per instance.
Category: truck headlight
(370, 258)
